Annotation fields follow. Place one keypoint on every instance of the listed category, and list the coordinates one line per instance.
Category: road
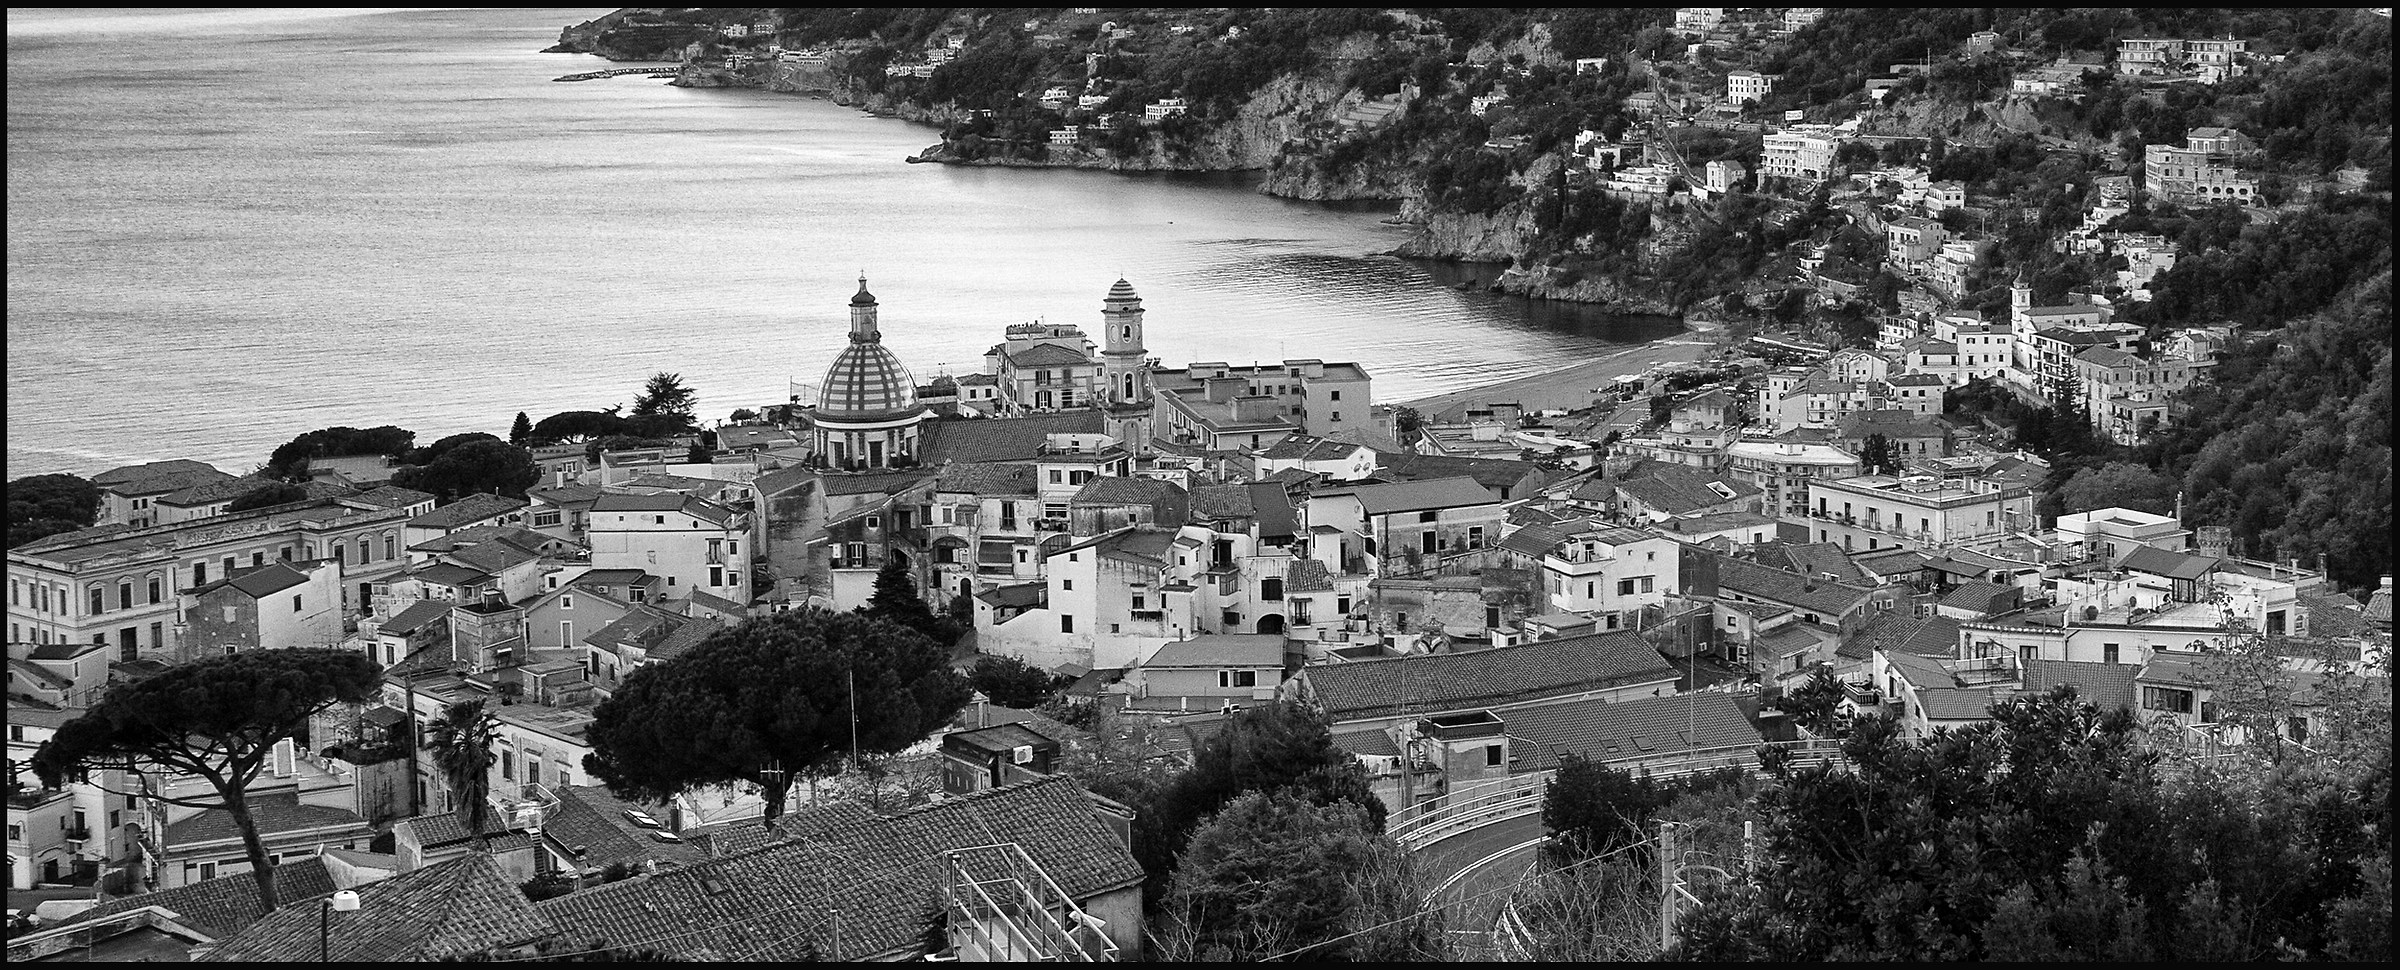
(1473, 899)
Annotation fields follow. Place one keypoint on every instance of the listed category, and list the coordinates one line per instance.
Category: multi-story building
(1799, 152)
(2125, 395)
(128, 494)
(1698, 20)
(1783, 471)
(1583, 567)
(2202, 171)
(121, 587)
(1745, 86)
(1044, 367)
(695, 544)
(276, 606)
(1222, 407)
(1795, 18)
(1412, 521)
(2209, 59)
(1911, 243)
(1882, 512)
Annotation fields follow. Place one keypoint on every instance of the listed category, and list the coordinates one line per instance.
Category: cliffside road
(1475, 849)
(1571, 386)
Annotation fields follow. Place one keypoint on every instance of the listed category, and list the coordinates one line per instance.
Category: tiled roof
(1139, 544)
(1210, 502)
(1537, 540)
(262, 581)
(221, 490)
(690, 633)
(467, 511)
(1047, 355)
(2107, 686)
(1958, 703)
(2173, 565)
(1626, 729)
(1497, 474)
(222, 906)
(1439, 493)
(1890, 423)
(2379, 606)
(1222, 650)
(1787, 588)
(448, 574)
(1677, 491)
(1820, 559)
(1898, 631)
(273, 814)
(1020, 595)
(592, 820)
(880, 874)
(1373, 743)
(988, 478)
(460, 907)
(1306, 447)
(1306, 576)
(1978, 595)
(885, 483)
(1271, 508)
(1484, 678)
(42, 675)
(567, 496)
(1112, 490)
(1719, 522)
(416, 616)
(2183, 669)
(187, 471)
(1002, 439)
(1924, 672)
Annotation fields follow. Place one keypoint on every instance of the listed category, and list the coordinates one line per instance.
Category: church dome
(866, 382)
(1121, 293)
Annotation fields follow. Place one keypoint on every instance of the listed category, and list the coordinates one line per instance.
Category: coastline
(1571, 386)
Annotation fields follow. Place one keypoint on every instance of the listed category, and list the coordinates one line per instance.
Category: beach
(1570, 387)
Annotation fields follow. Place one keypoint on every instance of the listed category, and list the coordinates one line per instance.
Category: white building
(1748, 86)
(1799, 152)
(696, 544)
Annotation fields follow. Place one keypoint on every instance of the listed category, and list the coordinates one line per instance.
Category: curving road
(1472, 869)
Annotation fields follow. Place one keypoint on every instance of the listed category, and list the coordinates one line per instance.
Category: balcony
(1050, 525)
(1147, 616)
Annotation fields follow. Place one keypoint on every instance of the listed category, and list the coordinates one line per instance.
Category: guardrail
(1442, 816)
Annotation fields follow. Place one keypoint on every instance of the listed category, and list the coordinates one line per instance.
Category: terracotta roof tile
(455, 908)
(1484, 678)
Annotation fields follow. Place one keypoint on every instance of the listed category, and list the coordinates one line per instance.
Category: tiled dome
(1121, 292)
(867, 383)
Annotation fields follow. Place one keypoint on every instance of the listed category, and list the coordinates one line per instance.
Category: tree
(460, 742)
(2118, 484)
(1275, 875)
(1591, 809)
(290, 459)
(895, 601)
(2045, 831)
(1011, 682)
(218, 719)
(481, 466)
(1875, 454)
(665, 395)
(1409, 424)
(521, 433)
(1262, 748)
(1816, 703)
(742, 416)
(272, 493)
(45, 505)
(772, 700)
(575, 426)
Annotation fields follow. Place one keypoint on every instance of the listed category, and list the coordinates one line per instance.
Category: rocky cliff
(628, 35)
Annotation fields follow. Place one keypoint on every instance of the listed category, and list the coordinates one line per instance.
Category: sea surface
(226, 228)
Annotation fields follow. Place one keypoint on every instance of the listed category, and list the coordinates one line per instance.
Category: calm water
(225, 229)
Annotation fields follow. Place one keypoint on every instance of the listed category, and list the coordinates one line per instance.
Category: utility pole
(1666, 886)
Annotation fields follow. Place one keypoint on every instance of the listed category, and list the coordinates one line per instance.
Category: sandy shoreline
(1571, 386)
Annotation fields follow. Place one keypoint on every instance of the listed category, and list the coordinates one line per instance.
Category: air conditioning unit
(1022, 754)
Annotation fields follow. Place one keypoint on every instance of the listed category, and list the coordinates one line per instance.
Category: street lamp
(345, 901)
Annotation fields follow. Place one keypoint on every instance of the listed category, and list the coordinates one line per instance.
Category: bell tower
(1124, 367)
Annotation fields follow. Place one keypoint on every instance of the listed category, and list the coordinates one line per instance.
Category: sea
(229, 227)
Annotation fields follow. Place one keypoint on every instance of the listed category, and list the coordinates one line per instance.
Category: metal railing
(1437, 818)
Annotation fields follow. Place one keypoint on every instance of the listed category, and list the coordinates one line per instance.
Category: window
(1491, 756)
(566, 602)
(366, 553)
(658, 520)
(125, 594)
(1066, 623)
(2166, 699)
(716, 575)
(1646, 584)
(155, 592)
(508, 766)
(1057, 477)
(338, 550)
(1066, 584)
(1237, 678)
(1624, 587)
(391, 545)
(1333, 396)
(99, 599)
(873, 522)
(2108, 653)
(295, 604)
